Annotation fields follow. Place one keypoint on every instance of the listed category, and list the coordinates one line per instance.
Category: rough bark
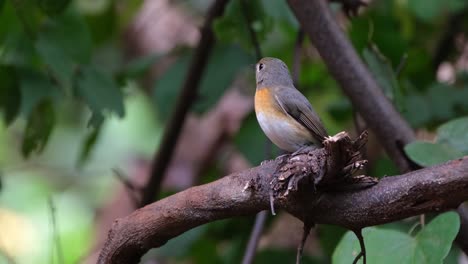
(431, 189)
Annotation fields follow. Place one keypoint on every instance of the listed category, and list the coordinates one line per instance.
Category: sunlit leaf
(428, 154)
(39, 127)
(10, 95)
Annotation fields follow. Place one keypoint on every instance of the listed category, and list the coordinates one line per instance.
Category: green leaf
(10, 95)
(70, 33)
(233, 28)
(52, 7)
(383, 72)
(426, 10)
(428, 154)
(382, 246)
(35, 87)
(417, 110)
(138, 67)
(330, 236)
(89, 143)
(435, 239)
(39, 127)
(429, 10)
(455, 134)
(60, 63)
(341, 109)
(431, 244)
(100, 93)
(61, 51)
(442, 100)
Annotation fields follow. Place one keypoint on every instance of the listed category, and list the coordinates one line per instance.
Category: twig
(462, 237)
(296, 67)
(183, 104)
(251, 248)
(402, 64)
(300, 248)
(446, 42)
(132, 190)
(361, 254)
(436, 188)
(253, 35)
(55, 233)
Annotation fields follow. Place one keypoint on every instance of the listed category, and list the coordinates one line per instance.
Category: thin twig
(446, 42)
(257, 229)
(296, 66)
(300, 248)
(362, 254)
(131, 189)
(183, 104)
(402, 64)
(253, 35)
(55, 232)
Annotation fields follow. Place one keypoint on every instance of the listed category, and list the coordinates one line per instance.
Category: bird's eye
(260, 66)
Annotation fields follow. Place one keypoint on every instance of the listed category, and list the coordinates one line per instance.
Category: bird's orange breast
(265, 103)
(279, 127)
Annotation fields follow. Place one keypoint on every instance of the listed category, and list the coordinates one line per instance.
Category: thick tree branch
(354, 77)
(184, 102)
(431, 189)
(360, 86)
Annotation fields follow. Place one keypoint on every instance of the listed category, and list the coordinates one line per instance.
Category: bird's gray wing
(298, 107)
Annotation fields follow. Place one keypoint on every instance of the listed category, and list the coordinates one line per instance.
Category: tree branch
(354, 77)
(360, 86)
(431, 189)
(184, 102)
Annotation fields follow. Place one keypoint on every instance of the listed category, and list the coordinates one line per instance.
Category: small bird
(284, 114)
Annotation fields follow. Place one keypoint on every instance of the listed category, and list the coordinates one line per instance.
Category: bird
(283, 112)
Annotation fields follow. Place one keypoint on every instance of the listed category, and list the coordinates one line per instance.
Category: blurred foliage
(73, 109)
(452, 143)
(430, 245)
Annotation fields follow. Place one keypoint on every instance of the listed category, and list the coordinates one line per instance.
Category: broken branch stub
(311, 171)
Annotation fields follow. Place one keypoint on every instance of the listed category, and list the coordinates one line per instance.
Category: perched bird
(284, 114)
